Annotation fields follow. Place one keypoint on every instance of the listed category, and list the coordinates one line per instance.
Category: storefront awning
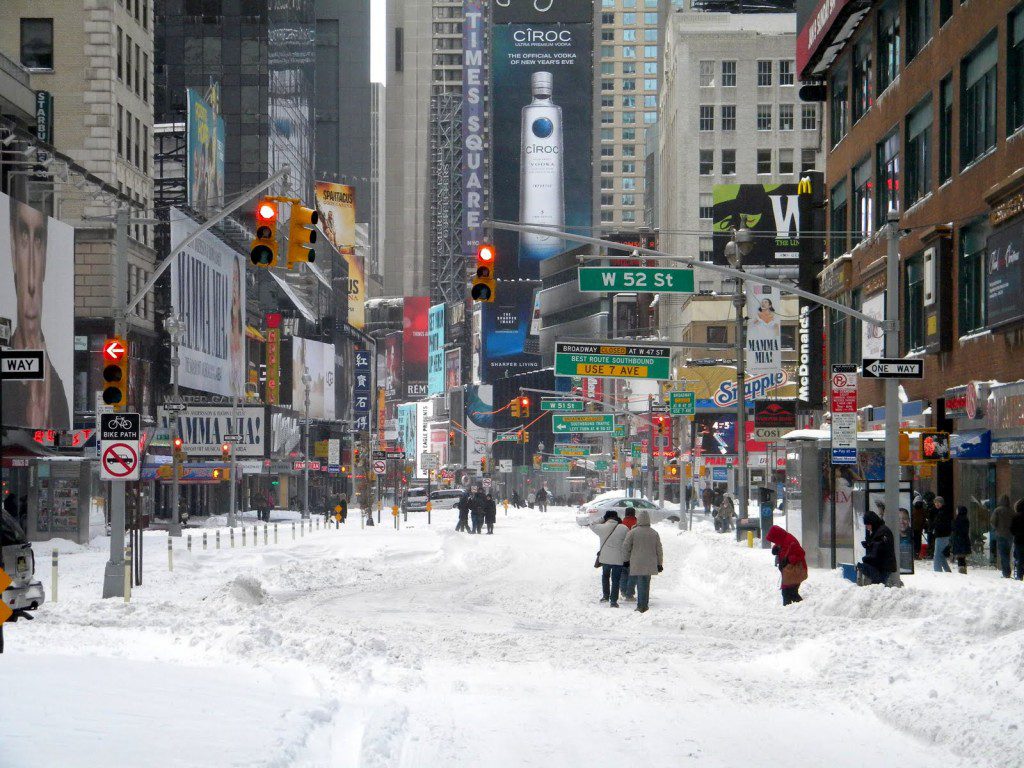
(294, 297)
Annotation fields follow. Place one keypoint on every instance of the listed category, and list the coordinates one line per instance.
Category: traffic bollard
(266, 534)
(232, 538)
(318, 523)
(750, 539)
(170, 553)
(243, 536)
(190, 543)
(204, 541)
(53, 579)
(255, 536)
(128, 573)
(293, 531)
(275, 533)
(302, 529)
(218, 539)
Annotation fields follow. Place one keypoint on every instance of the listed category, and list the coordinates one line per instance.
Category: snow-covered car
(594, 510)
(415, 499)
(445, 499)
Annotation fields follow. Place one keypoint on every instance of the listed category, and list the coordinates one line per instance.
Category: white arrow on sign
(888, 368)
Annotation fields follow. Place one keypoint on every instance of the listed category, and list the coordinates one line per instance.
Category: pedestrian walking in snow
(707, 496)
(542, 499)
(879, 562)
(1017, 529)
(724, 514)
(490, 513)
(463, 507)
(643, 556)
(477, 505)
(517, 502)
(1002, 520)
(960, 540)
(941, 530)
(791, 560)
(531, 499)
(612, 533)
(628, 581)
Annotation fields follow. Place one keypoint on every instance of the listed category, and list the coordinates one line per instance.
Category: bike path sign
(120, 446)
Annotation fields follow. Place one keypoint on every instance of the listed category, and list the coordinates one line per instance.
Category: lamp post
(741, 245)
(175, 328)
(306, 380)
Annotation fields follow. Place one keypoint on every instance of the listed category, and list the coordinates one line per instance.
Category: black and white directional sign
(119, 446)
(892, 368)
(22, 365)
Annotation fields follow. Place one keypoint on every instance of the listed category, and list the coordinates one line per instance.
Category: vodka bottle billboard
(541, 182)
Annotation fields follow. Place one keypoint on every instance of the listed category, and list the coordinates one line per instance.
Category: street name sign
(892, 368)
(119, 446)
(641, 279)
(579, 451)
(549, 404)
(174, 407)
(620, 430)
(601, 465)
(682, 403)
(582, 423)
(22, 365)
(551, 466)
(507, 437)
(379, 455)
(621, 361)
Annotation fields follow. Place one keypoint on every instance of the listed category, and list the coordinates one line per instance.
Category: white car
(446, 499)
(593, 511)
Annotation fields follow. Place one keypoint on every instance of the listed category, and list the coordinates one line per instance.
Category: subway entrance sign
(642, 279)
(612, 360)
(564, 424)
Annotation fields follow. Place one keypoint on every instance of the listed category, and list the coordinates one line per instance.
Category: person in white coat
(612, 533)
(643, 555)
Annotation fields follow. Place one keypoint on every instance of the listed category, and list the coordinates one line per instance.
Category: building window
(607, 51)
(629, 167)
(607, 102)
(808, 117)
(888, 44)
(629, 118)
(788, 337)
(946, 129)
(607, 85)
(887, 175)
(607, 199)
(629, 84)
(707, 162)
(629, 216)
(785, 117)
(913, 304)
(627, 200)
(728, 74)
(629, 67)
(945, 11)
(919, 26)
(863, 95)
(706, 205)
(607, 18)
(650, 35)
(863, 203)
(37, 43)
(919, 153)
(120, 54)
(607, 67)
(707, 74)
(707, 117)
(607, 183)
(651, 19)
(629, 134)
(128, 61)
(787, 70)
(786, 162)
(607, 217)
(607, 134)
(607, 151)
(764, 162)
(971, 304)
(978, 102)
(1015, 70)
(764, 117)
(706, 248)
(607, 166)
(650, 67)
(120, 130)
(138, 143)
(728, 162)
(837, 225)
(650, 118)
(651, 102)
(628, 51)
(728, 117)
(629, 184)
(718, 334)
(808, 159)
(145, 77)
(138, 70)
(650, 84)
(764, 74)
(629, 35)
(839, 105)
(607, 118)
(650, 51)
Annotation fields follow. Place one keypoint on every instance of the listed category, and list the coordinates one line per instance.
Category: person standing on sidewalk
(960, 541)
(643, 555)
(628, 581)
(612, 533)
(490, 513)
(791, 560)
(463, 507)
(941, 530)
(1002, 520)
(542, 499)
(1017, 529)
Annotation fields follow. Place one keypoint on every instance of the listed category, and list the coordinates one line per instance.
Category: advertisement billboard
(414, 345)
(393, 384)
(764, 330)
(208, 294)
(362, 391)
(318, 359)
(452, 369)
(205, 147)
(37, 290)
(542, 108)
(770, 211)
(714, 386)
(1004, 280)
(472, 125)
(336, 204)
(203, 429)
(435, 350)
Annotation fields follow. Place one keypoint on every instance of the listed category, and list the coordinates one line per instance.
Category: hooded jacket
(960, 542)
(942, 522)
(1002, 518)
(642, 547)
(1017, 525)
(611, 533)
(791, 558)
(879, 547)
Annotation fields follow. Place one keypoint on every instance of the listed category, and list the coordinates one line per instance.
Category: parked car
(594, 510)
(17, 559)
(446, 498)
(415, 499)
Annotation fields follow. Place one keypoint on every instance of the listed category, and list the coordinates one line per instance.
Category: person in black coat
(879, 551)
(477, 504)
(490, 512)
(463, 507)
(1017, 529)
(942, 529)
(960, 541)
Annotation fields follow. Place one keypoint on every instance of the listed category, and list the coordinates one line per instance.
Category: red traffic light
(266, 212)
(485, 253)
(114, 350)
(525, 402)
(178, 443)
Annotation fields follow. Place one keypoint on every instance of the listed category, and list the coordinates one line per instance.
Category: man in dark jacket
(490, 512)
(917, 524)
(463, 507)
(1017, 529)
(879, 551)
(477, 505)
(942, 529)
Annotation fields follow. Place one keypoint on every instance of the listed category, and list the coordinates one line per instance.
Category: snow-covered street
(426, 647)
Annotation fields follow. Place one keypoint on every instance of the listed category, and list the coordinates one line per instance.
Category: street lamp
(175, 328)
(306, 380)
(741, 244)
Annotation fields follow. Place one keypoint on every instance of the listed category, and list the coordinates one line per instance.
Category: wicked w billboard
(542, 107)
(770, 211)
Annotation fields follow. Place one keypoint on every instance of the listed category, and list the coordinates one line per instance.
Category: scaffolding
(447, 267)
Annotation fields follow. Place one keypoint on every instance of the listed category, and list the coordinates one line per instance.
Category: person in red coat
(791, 560)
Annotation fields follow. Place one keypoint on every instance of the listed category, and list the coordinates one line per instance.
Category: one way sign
(21, 364)
(892, 368)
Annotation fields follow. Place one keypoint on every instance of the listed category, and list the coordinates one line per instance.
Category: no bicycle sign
(120, 446)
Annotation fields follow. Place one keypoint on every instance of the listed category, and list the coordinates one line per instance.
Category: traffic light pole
(892, 386)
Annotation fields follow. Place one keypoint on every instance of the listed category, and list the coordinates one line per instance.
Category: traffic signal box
(524, 407)
(661, 425)
(451, 437)
(537, 461)
(263, 251)
(178, 449)
(483, 464)
(483, 288)
(115, 372)
(225, 451)
(301, 235)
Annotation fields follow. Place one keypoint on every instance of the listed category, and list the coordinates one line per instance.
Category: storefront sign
(1004, 277)
(273, 393)
(1008, 447)
(972, 444)
(773, 418)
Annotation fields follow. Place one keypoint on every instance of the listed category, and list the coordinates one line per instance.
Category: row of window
(628, 117)
(608, 216)
(628, 3)
(629, 19)
(132, 139)
(626, 183)
(719, 334)
(628, 67)
(727, 167)
(135, 78)
(608, 166)
(765, 115)
(630, 102)
(139, 9)
(627, 200)
(650, 35)
(628, 51)
(629, 84)
(766, 72)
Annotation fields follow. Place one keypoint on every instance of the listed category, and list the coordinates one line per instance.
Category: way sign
(892, 368)
(22, 365)
(682, 403)
(379, 455)
(379, 467)
(396, 455)
(549, 404)
(613, 360)
(641, 279)
(175, 407)
(569, 449)
(119, 461)
(583, 423)
(233, 438)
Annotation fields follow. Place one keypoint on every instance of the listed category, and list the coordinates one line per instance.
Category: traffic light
(483, 284)
(216, 473)
(520, 436)
(514, 407)
(904, 447)
(536, 461)
(225, 451)
(451, 437)
(524, 407)
(673, 470)
(178, 448)
(660, 422)
(935, 446)
(483, 464)
(355, 456)
(115, 372)
(301, 235)
(263, 250)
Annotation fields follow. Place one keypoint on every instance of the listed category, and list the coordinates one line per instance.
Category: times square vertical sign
(473, 79)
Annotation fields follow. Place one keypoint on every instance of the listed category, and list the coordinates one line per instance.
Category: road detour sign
(120, 446)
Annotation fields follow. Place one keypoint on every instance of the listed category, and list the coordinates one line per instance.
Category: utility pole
(232, 446)
(174, 327)
(306, 380)
(892, 399)
(741, 245)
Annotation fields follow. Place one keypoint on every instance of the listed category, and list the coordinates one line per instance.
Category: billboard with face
(542, 107)
(414, 345)
(770, 211)
(336, 204)
(37, 292)
(205, 147)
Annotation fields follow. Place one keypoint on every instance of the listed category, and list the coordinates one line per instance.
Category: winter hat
(870, 518)
(938, 500)
(610, 515)
(630, 511)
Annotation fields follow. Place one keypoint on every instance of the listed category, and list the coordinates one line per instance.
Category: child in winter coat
(791, 560)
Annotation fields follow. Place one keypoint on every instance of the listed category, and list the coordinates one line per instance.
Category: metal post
(53, 579)
(892, 400)
(306, 379)
(170, 553)
(683, 506)
(174, 328)
(232, 495)
(741, 240)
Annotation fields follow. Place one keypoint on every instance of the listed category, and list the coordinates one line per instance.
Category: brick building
(925, 115)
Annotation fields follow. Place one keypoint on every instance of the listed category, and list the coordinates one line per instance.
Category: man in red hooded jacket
(791, 560)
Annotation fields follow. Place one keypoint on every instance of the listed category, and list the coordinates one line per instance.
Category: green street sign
(682, 403)
(620, 430)
(601, 465)
(621, 361)
(561, 405)
(578, 451)
(507, 437)
(640, 279)
(550, 466)
(583, 423)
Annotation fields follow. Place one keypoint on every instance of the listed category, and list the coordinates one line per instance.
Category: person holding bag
(611, 532)
(642, 554)
(791, 561)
